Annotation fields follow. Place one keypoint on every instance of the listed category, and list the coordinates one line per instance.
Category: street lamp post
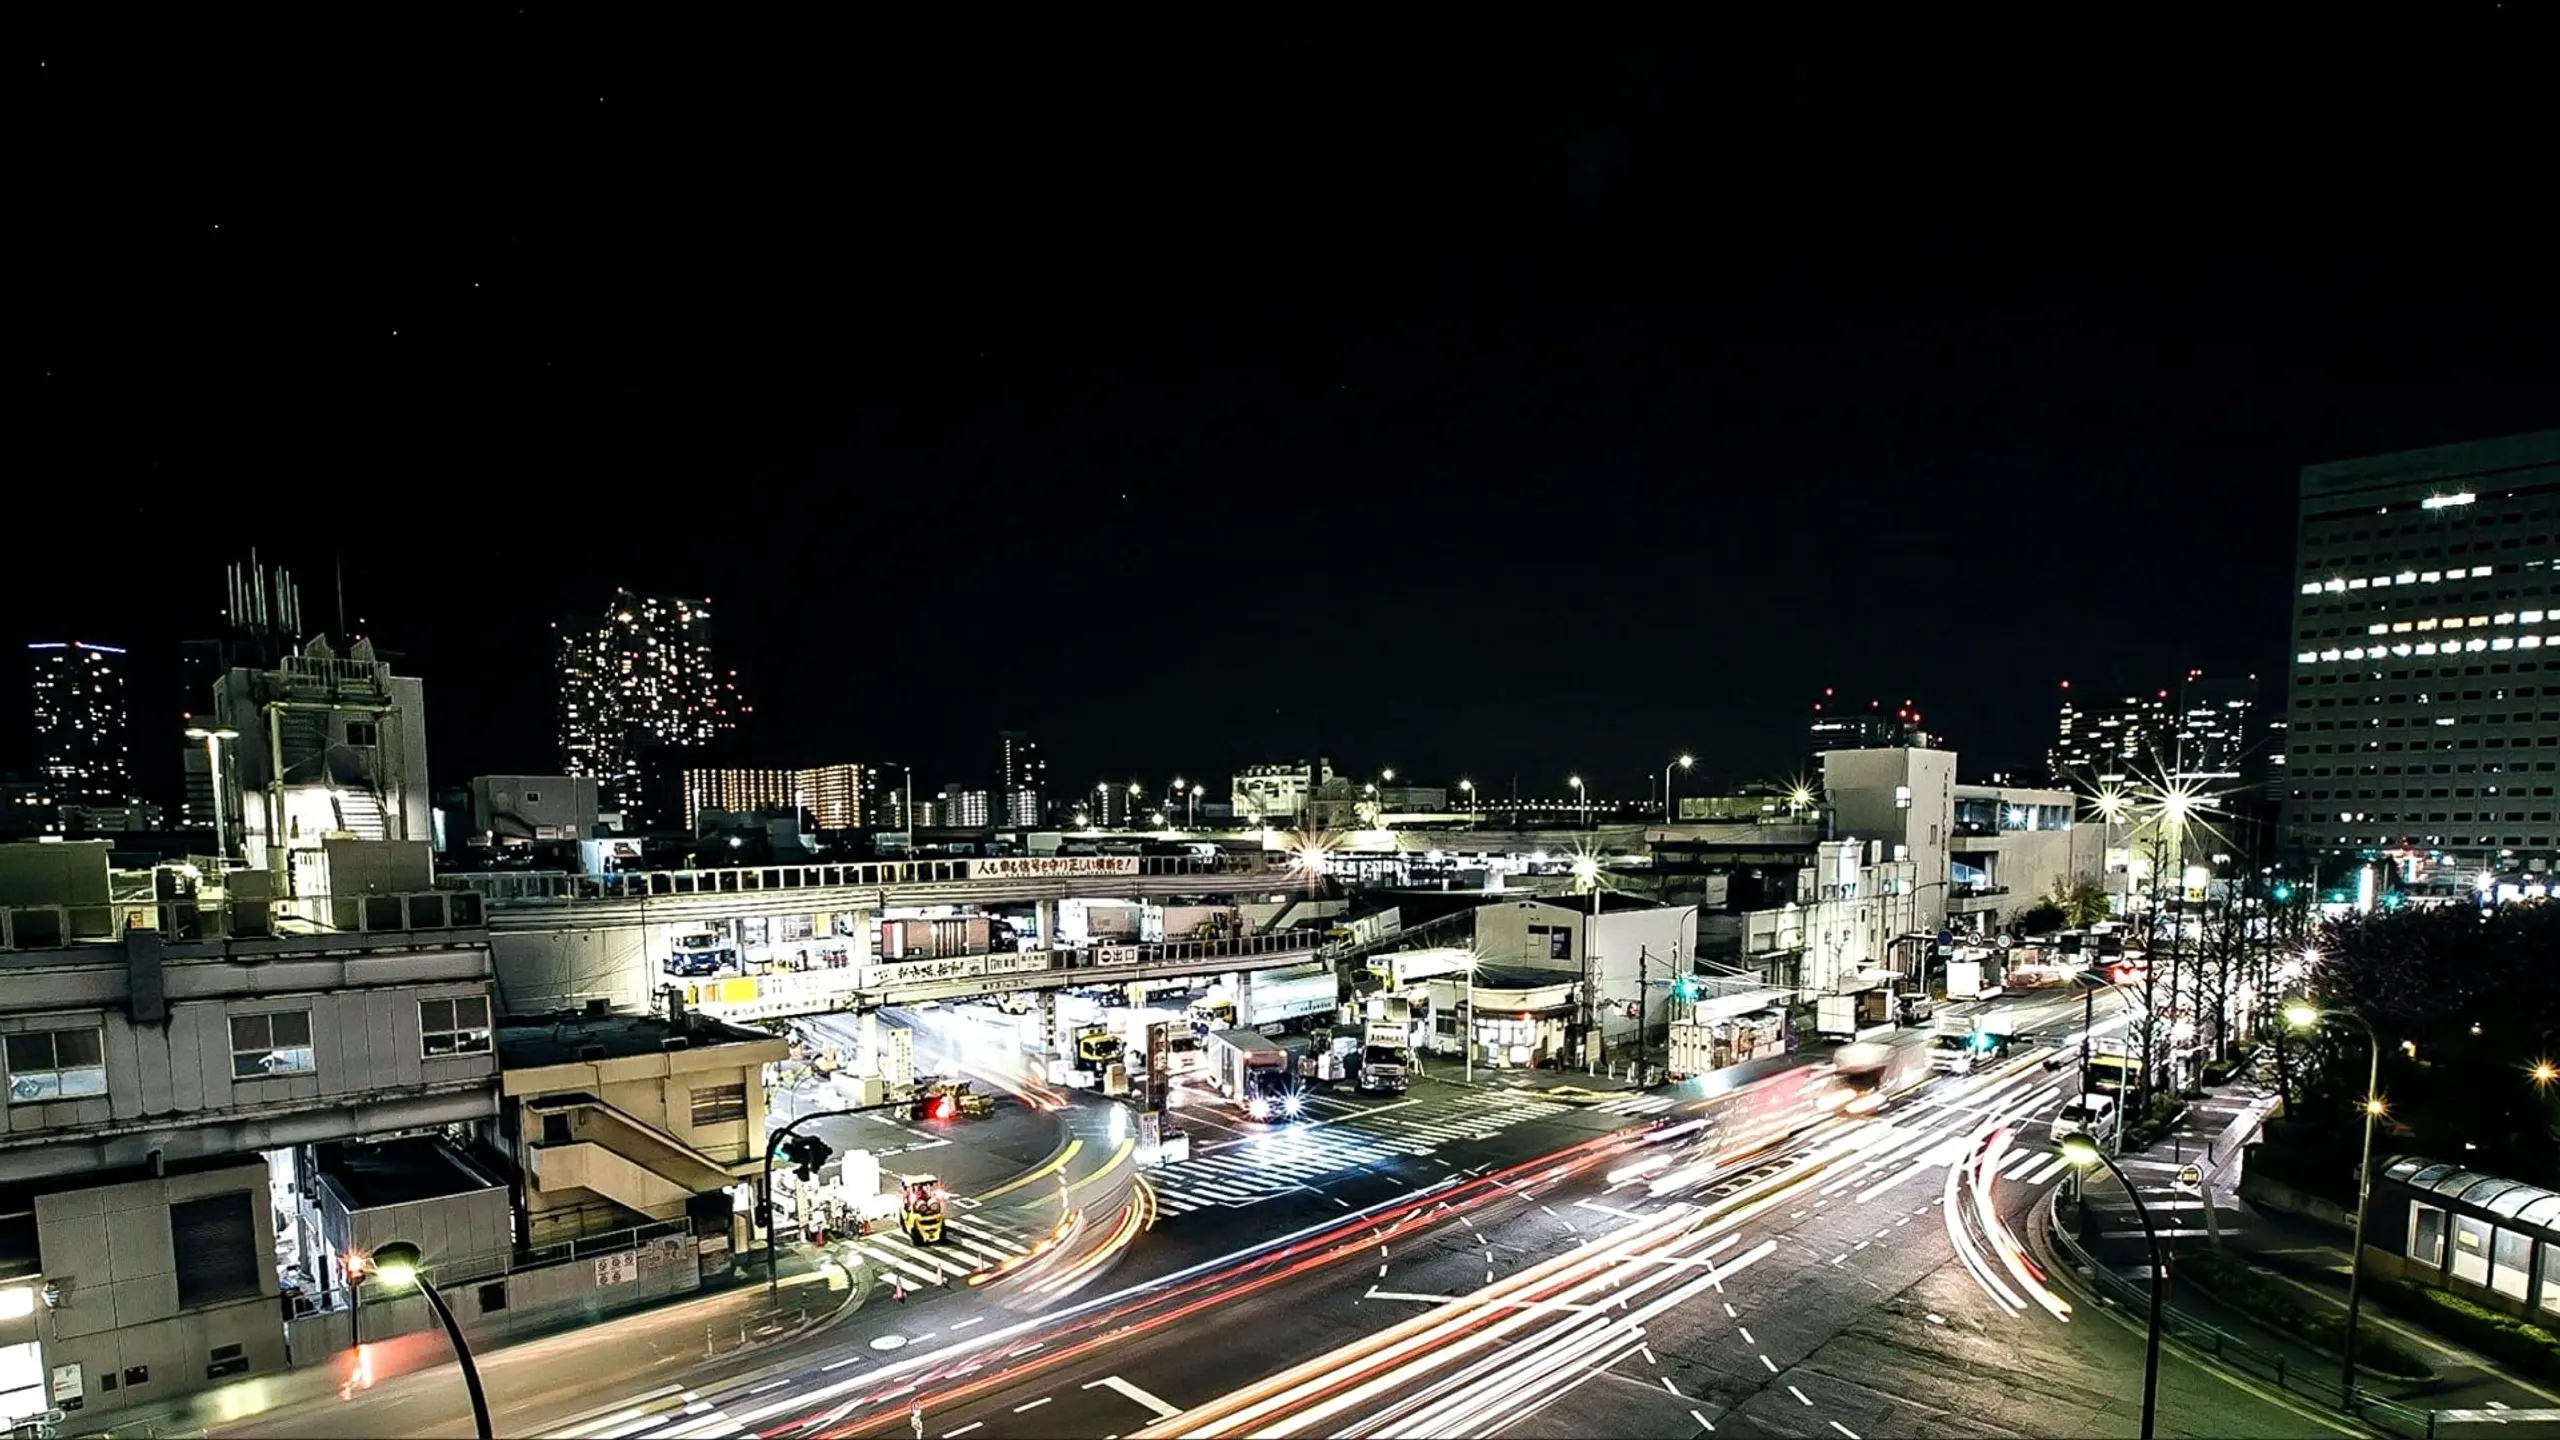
(1469, 1028)
(2082, 1151)
(1585, 795)
(1683, 763)
(397, 1265)
(2303, 1016)
(213, 739)
(1468, 789)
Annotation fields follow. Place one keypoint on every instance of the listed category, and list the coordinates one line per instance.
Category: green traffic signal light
(2284, 892)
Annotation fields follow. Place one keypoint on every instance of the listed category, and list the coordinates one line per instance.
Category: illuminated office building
(638, 683)
(83, 745)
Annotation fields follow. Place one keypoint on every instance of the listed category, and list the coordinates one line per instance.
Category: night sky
(1466, 404)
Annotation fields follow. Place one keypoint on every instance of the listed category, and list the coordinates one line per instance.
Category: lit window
(275, 1043)
(454, 1027)
(56, 1065)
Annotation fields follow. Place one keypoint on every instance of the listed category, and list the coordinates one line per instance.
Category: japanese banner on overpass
(1042, 867)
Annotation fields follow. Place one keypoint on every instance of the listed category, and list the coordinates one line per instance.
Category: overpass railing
(2318, 1384)
(558, 887)
(804, 991)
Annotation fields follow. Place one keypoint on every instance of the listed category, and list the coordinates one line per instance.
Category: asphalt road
(1821, 1293)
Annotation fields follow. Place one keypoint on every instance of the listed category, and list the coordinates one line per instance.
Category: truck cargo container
(934, 939)
(1254, 1073)
(1846, 1017)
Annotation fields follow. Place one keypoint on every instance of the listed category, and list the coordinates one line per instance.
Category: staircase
(577, 1143)
(360, 814)
(1450, 931)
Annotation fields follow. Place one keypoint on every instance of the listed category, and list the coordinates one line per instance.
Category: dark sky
(1489, 404)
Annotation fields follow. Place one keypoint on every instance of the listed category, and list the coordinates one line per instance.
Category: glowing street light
(1683, 763)
(1576, 782)
(2082, 1151)
(2303, 1015)
(1468, 789)
(398, 1265)
(2544, 1072)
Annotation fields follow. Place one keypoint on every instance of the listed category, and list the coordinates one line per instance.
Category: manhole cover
(888, 1342)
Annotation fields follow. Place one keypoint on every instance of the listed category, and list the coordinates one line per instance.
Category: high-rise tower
(638, 687)
(83, 722)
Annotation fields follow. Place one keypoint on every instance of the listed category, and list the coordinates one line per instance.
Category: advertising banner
(1051, 867)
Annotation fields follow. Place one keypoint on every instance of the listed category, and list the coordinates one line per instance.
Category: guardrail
(2320, 1385)
(556, 887)
(60, 927)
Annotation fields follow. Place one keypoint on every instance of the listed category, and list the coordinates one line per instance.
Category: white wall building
(1906, 799)
(1628, 954)
(324, 747)
(166, 1060)
(1277, 794)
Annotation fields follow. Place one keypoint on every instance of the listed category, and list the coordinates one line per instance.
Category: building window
(2426, 1236)
(363, 734)
(719, 1104)
(56, 1065)
(454, 1027)
(276, 1043)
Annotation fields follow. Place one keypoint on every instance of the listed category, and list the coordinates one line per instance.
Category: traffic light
(2393, 900)
(1688, 987)
(2284, 892)
(806, 1153)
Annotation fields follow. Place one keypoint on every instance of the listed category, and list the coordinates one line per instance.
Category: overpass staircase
(577, 1142)
(1453, 931)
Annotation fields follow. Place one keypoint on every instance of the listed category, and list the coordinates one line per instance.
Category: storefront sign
(922, 972)
(1050, 867)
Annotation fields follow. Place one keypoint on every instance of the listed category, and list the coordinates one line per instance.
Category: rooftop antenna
(339, 565)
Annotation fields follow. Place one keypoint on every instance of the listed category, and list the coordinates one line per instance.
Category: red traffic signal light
(944, 1107)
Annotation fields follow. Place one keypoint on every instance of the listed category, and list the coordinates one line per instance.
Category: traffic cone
(897, 1288)
(942, 1275)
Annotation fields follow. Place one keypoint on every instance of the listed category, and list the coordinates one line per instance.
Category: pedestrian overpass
(560, 940)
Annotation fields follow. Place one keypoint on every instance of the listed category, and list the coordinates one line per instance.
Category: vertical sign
(897, 1056)
(1159, 1065)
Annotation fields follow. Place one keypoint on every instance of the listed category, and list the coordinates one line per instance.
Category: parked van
(2092, 1115)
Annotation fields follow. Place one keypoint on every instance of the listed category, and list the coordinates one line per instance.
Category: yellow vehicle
(1097, 1048)
(920, 1208)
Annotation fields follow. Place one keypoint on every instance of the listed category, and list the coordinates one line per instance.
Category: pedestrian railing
(2317, 1383)
(537, 887)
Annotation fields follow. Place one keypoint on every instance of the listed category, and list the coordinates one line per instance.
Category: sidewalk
(412, 1376)
(2306, 1257)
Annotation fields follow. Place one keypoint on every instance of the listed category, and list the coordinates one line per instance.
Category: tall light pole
(397, 1265)
(2302, 1015)
(1468, 789)
(1468, 1029)
(2082, 1151)
(1683, 763)
(213, 739)
(1102, 806)
(1586, 874)
(1190, 803)
(1576, 782)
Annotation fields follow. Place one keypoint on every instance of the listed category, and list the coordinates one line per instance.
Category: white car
(2090, 1115)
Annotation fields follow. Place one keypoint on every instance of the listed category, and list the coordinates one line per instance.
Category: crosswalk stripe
(2052, 1166)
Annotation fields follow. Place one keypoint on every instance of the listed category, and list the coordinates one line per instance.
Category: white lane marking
(620, 1413)
(1154, 1403)
(1033, 1405)
(1807, 1399)
(963, 1430)
(1845, 1430)
(1746, 1334)
(1702, 1422)
(1772, 1364)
